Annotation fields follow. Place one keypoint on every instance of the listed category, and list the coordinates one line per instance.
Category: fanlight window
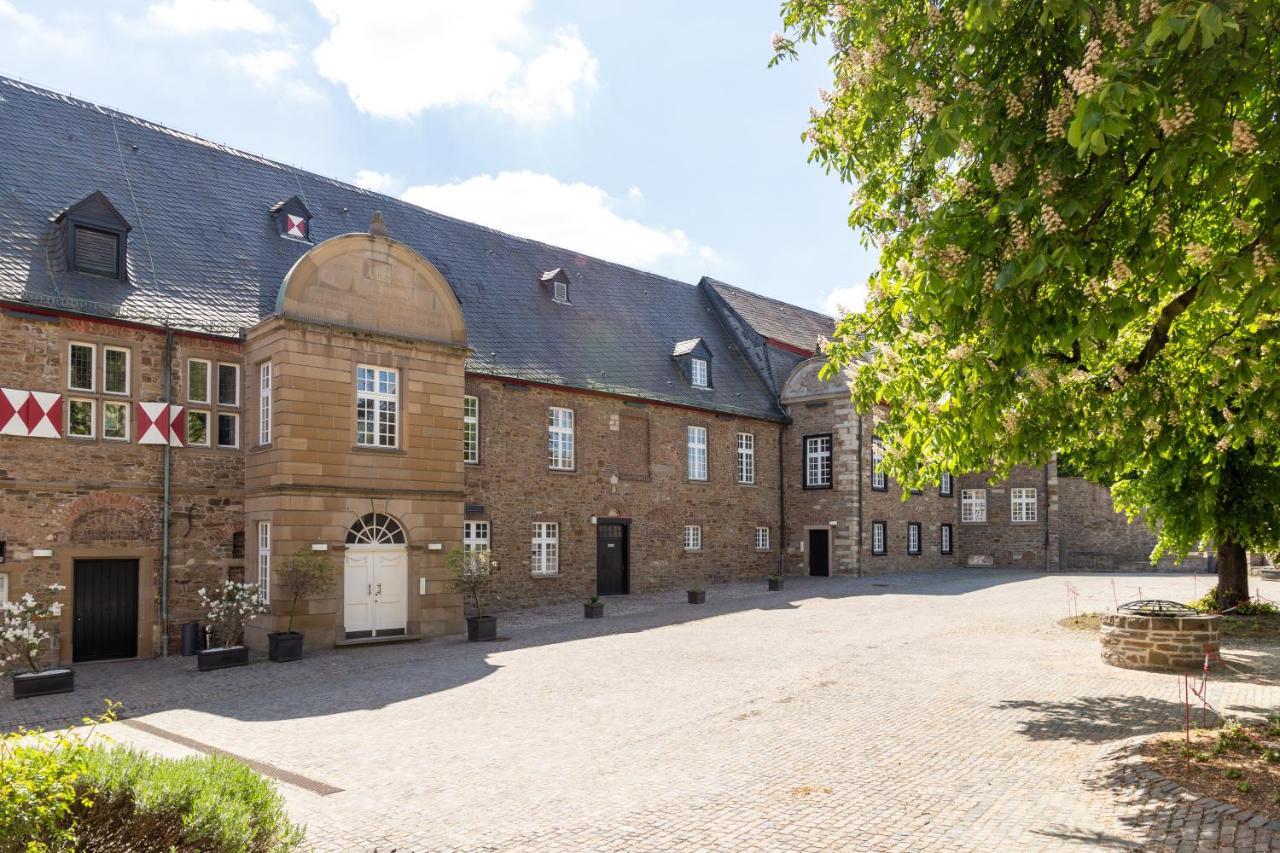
(376, 529)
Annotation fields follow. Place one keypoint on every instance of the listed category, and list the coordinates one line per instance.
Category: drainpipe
(782, 502)
(1046, 516)
(166, 502)
(857, 548)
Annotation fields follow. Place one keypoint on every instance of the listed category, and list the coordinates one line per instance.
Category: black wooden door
(819, 558)
(105, 609)
(611, 559)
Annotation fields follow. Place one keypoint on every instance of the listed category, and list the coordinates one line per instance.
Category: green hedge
(57, 794)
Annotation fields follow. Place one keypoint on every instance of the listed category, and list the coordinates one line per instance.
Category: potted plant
(227, 611)
(472, 572)
(697, 595)
(24, 636)
(775, 583)
(305, 574)
(593, 607)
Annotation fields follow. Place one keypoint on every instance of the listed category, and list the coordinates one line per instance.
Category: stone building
(209, 361)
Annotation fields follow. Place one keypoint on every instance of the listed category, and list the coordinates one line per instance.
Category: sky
(651, 134)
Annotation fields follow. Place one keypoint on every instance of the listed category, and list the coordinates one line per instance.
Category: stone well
(1139, 640)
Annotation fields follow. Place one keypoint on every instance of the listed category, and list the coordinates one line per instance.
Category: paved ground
(923, 712)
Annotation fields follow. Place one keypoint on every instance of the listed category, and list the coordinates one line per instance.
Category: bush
(1208, 603)
(39, 793)
(207, 803)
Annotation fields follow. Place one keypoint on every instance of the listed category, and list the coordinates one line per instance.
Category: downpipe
(166, 501)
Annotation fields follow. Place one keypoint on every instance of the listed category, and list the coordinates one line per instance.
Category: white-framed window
(944, 485)
(878, 538)
(692, 537)
(913, 537)
(697, 453)
(377, 406)
(973, 504)
(4, 587)
(228, 430)
(762, 539)
(475, 536)
(944, 538)
(560, 438)
(197, 429)
(115, 421)
(817, 462)
(471, 429)
(229, 385)
(115, 370)
(546, 548)
(264, 403)
(80, 362)
(879, 481)
(264, 561)
(746, 457)
(81, 418)
(698, 372)
(561, 293)
(1022, 504)
(198, 371)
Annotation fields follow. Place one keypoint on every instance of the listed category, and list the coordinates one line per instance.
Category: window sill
(879, 553)
(973, 523)
(562, 470)
(387, 451)
(544, 574)
(827, 487)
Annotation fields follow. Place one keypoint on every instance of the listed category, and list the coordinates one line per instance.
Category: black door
(611, 559)
(106, 609)
(819, 559)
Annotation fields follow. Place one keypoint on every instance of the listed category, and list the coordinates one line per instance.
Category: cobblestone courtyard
(940, 711)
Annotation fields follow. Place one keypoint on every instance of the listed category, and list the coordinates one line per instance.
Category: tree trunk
(1233, 574)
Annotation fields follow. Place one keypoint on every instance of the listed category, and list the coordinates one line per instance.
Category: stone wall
(512, 487)
(1000, 540)
(1133, 641)
(1094, 536)
(809, 509)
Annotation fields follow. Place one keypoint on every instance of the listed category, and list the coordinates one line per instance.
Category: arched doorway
(375, 578)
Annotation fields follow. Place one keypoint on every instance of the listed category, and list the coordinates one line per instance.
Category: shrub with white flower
(27, 626)
(229, 607)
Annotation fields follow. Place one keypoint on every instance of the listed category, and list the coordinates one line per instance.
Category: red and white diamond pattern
(32, 414)
(295, 226)
(177, 426)
(153, 423)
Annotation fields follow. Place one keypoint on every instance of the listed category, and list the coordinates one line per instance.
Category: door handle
(379, 590)
(369, 590)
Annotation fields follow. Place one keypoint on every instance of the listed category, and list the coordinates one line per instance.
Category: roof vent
(557, 280)
(292, 219)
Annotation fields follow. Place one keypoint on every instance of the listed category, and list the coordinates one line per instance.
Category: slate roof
(775, 319)
(204, 254)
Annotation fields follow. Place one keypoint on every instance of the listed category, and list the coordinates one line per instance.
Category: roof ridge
(188, 136)
(715, 282)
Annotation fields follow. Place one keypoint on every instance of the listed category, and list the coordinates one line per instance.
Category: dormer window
(94, 237)
(558, 281)
(694, 360)
(292, 219)
(698, 372)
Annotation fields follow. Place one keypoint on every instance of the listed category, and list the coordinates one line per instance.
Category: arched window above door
(376, 529)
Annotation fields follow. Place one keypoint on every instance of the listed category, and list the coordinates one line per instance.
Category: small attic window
(292, 219)
(94, 237)
(698, 372)
(558, 280)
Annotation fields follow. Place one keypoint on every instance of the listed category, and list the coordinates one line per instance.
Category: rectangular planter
(482, 628)
(28, 684)
(211, 659)
(284, 646)
(697, 596)
(593, 611)
(775, 584)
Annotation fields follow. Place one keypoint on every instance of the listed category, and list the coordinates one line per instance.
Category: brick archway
(108, 516)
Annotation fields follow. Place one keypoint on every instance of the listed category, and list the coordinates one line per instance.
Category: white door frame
(372, 598)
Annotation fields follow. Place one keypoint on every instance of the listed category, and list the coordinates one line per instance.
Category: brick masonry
(1134, 641)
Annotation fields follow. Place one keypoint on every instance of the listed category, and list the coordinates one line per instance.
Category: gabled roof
(686, 347)
(212, 261)
(96, 204)
(774, 319)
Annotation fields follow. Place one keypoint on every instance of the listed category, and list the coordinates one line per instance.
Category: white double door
(376, 579)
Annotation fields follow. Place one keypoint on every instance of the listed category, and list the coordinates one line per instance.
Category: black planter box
(775, 584)
(697, 596)
(284, 646)
(28, 684)
(222, 658)
(593, 611)
(482, 628)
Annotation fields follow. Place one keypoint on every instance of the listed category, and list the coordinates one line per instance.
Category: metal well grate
(1157, 607)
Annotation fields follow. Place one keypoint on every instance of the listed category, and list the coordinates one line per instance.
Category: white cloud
(378, 182)
(31, 27)
(265, 66)
(843, 300)
(399, 58)
(193, 17)
(576, 216)
(634, 193)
